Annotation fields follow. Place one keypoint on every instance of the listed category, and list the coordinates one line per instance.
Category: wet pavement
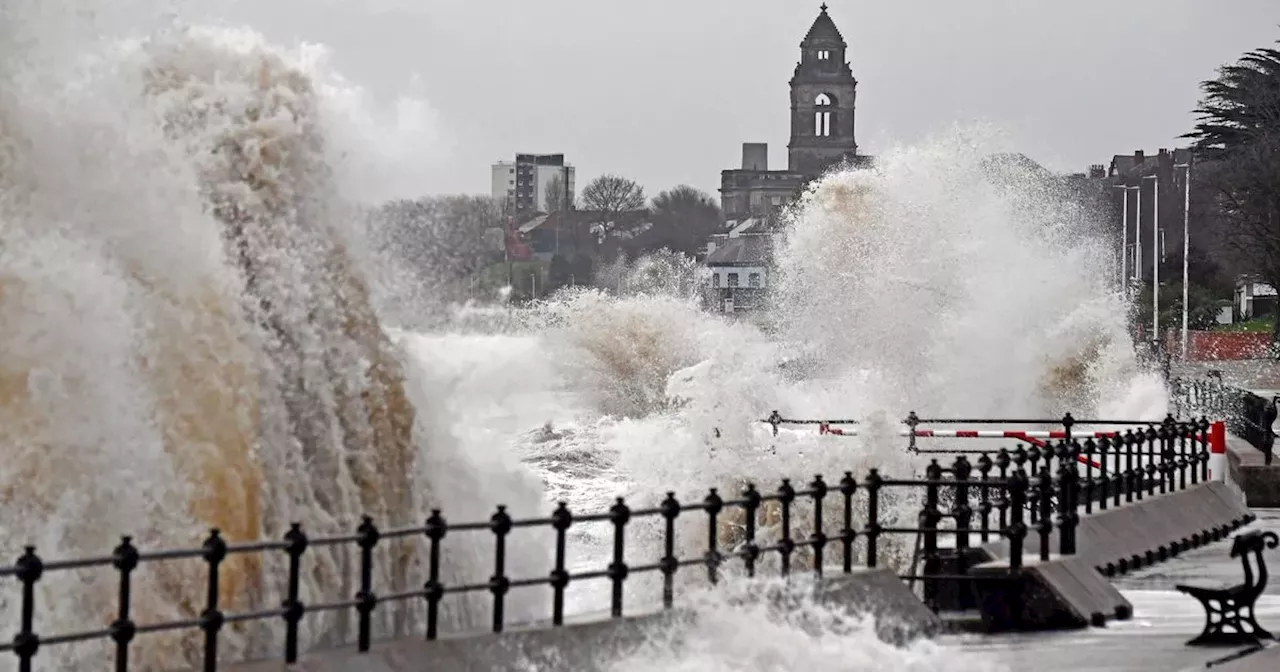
(1164, 619)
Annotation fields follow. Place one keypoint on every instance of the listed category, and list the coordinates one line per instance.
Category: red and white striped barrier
(1030, 436)
(1034, 437)
(1039, 438)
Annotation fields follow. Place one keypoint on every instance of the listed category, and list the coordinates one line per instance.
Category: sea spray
(190, 342)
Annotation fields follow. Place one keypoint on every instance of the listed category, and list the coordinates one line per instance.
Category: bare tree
(611, 196)
(683, 218)
(1238, 139)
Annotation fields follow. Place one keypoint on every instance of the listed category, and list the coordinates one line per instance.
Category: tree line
(456, 243)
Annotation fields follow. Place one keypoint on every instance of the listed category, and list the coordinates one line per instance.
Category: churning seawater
(194, 334)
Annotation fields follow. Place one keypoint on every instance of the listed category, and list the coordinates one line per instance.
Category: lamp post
(1124, 239)
(1155, 256)
(1137, 237)
(1186, 249)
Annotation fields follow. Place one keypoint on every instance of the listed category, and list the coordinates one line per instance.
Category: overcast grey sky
(665, 91)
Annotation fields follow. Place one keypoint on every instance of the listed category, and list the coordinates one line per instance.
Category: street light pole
(1137, 237)
(1124, 239)
(1155, 256)
(1186, 250)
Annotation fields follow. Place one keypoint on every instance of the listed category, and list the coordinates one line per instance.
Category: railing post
(786, 545)
(818, 539)
(1185, 457)
(670, 509)
(873, 516)
(125, 560)
(1152, 469)
(367, 600)
(984, 498)
(499, 584)
(1003, 503)
(961, 512)
(436, 528)
(1016, 531)
(751, 551)
(848, 486)
(1130, 474)
(1203, 450)
(928, 518)
(27, 642)
(1033, 457)
(1104, 477)
(293, 607)
(713, 504)
(1168, 459)
(1090, 449)
(1044, 492)
(214, 551)
(619, 515)
(1067, 508)
(561, 521)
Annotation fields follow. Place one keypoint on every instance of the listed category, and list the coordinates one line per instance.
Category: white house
(1254, 299)
(739, 267)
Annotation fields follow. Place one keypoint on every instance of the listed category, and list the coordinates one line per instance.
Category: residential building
(522, 184)
(739, 262)
(1254, 299)
(1140, 183)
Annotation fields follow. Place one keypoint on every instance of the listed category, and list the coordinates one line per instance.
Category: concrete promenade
(1155, 638)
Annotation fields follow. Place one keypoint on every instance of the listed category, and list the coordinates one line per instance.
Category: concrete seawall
(1260, 482)
(900, 617)
(1072, 591)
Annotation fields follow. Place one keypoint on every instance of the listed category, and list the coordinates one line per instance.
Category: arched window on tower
(822, 116)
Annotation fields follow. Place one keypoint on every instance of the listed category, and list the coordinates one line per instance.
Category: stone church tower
(823, 93)
(823, 98)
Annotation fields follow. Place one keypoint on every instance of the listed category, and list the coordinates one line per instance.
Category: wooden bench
(1228, 612)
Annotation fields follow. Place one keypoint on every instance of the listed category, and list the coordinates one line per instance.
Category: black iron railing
(849, 494)
(1003, 495)
(1248, 415)
(1130, 466)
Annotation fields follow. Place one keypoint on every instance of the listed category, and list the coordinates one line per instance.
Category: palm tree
(1241, 107)
(1237, 147)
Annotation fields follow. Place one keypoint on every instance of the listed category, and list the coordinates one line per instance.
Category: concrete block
(1259, 481)
(900, 617)
(1063, 592)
